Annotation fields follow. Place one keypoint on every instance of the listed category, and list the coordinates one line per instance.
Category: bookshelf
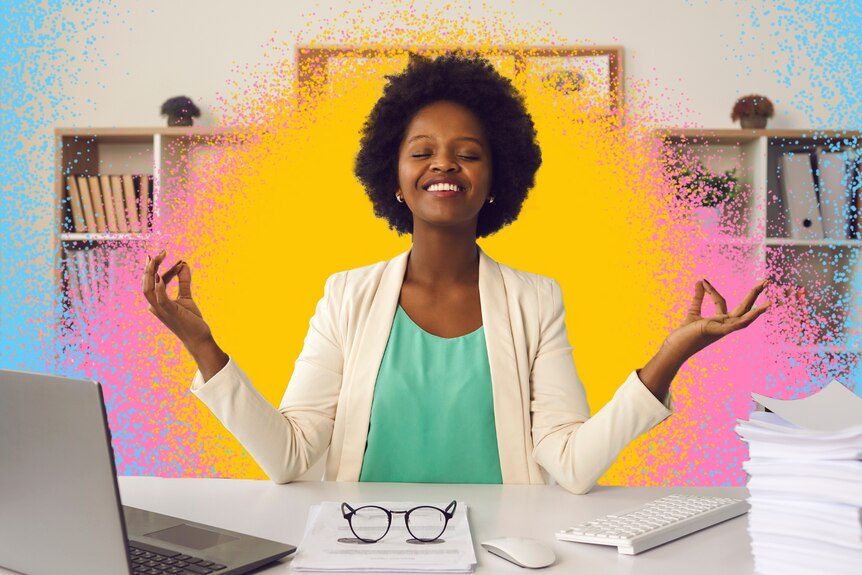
(825, 269)
(158, 156)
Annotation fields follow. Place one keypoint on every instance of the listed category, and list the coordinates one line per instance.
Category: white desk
(279, 512)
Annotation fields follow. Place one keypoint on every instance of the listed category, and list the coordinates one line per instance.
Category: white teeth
(443, 188)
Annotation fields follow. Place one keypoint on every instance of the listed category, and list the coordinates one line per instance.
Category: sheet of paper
(831, 409)
(330, 546)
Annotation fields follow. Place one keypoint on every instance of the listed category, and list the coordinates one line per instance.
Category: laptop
(60, 509)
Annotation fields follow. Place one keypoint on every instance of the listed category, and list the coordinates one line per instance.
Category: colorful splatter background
(267, 214)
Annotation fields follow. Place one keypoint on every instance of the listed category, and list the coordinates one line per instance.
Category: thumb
(184, 280)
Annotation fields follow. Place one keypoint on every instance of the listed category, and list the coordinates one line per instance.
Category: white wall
(693, 58)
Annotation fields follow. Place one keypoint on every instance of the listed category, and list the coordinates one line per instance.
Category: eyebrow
(425, 137)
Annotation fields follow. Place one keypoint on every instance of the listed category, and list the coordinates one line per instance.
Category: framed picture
(587, 80)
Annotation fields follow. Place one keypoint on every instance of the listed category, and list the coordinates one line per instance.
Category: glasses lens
(370, 523)
(426, 523)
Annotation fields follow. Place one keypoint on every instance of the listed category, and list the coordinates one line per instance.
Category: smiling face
(444, 167)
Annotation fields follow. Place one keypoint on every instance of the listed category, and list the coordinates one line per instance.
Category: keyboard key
(198, 569)
(152, 549)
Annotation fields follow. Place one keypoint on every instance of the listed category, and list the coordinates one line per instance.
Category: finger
(157, 261)
(162, 298)
(697, 301)
(146, 281)
(171, 273)
(717, 299)
(185, 281)
(746, 319)
(149, 284)
(749, 299)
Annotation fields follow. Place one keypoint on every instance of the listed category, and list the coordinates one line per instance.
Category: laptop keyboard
(152, 560)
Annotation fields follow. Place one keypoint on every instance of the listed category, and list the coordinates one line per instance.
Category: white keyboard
(656, 522)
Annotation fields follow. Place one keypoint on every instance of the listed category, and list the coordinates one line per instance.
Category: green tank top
(432, 415)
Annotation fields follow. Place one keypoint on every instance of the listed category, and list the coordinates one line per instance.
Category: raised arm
(576, 449)
(286, 441)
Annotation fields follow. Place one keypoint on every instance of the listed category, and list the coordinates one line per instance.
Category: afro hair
(472, 82)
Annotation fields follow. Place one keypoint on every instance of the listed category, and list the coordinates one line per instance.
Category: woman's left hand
(697, 332)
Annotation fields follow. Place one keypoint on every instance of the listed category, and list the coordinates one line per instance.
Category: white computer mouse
(521, 551)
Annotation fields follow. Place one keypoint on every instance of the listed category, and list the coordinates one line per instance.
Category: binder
(800, 196)
(836, 196)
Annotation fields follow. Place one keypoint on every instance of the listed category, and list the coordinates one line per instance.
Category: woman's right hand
(181, 315)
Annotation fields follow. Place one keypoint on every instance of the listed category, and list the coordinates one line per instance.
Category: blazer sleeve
(286, 441)
(574, 448)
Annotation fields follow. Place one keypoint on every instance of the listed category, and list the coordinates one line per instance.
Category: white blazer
(540, 407)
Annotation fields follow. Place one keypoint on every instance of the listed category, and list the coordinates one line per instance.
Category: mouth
(444, 188)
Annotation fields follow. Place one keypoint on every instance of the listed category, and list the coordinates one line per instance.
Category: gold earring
(400, 198)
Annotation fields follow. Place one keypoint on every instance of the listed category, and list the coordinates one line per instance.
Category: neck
(443, 256)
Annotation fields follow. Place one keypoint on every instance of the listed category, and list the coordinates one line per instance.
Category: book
(800, 196)
(132, 216)
(119, 204)
(87, 205)
(146, 207)
(110, 206)
(98, 205)
(78, 223)
(836, 196)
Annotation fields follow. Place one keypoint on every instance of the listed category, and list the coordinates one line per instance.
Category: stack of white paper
(330, 546)
(805, 479)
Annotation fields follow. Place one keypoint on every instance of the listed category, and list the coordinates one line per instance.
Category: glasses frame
(348, 511)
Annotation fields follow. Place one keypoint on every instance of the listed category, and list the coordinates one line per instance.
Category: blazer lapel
(509, 397)
(368, 354)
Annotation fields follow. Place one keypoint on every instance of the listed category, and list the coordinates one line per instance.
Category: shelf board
(828, 349)
(779, 242)
(144, 131)
(145, 135)
(110, 237)
(736, 136)
(733, 241)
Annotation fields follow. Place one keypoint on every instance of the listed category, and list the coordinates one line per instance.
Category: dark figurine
(180, 111)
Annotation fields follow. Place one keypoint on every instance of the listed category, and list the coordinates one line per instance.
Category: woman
(441, 364)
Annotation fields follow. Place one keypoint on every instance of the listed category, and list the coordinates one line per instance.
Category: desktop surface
(279, 512)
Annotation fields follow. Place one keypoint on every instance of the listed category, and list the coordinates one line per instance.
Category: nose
(444, 163)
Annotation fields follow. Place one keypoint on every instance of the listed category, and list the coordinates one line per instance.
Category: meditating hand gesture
(181, 315)
(698, 332)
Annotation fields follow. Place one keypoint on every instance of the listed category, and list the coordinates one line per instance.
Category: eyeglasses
(371, 523)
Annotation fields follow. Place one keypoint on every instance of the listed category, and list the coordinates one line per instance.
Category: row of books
(108, 204)
(821, 193)
(805, 473)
